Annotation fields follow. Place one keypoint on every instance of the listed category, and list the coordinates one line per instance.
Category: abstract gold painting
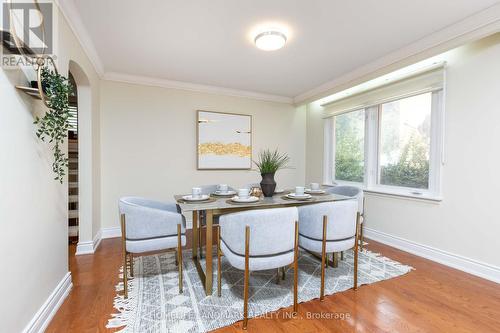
(224, 140)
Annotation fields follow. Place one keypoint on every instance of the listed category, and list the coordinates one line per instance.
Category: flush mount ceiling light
(270, 40)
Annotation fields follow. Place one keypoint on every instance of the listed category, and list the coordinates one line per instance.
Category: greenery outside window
(391, 147)
(349, 146)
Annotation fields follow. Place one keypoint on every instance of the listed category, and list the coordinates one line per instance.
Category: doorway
(73, 208)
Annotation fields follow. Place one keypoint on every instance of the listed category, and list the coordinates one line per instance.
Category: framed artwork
(224, 141)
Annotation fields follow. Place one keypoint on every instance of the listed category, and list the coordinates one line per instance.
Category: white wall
(149, 142)
(464, 224)
(70, 50)
(33, 206)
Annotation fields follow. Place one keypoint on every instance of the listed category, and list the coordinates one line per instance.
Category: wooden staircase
(73, 220)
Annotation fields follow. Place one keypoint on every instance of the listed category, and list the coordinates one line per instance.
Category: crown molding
(70, 13)
(474, 27)
(163, 83)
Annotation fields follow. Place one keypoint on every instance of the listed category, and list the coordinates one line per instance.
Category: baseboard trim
(89, 247)
(44, 315)
(477, 268)
(84, 248)
(112, 232)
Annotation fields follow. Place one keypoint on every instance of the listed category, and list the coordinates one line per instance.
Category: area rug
(154, 304)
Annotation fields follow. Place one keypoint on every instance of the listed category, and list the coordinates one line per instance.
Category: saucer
(320, 191)
(202, 197)
(248, 199)
(304, 196)
(223, 194)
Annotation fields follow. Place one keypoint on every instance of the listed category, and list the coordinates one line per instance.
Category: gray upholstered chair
(354, 192)
(150, 226)
(258, 240)
(206, 189)
(330, 227)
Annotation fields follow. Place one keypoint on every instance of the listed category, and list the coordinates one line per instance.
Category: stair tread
(73, 198)
(72, 214)
(73, 231)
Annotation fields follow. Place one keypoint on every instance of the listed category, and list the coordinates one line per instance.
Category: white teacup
(299, 190)
(196, 192)
(314, 186)
(222, 188)
(243, 193)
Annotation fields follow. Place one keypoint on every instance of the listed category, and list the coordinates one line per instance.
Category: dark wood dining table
(217, 206)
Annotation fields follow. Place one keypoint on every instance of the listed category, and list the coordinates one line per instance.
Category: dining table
(219, 205)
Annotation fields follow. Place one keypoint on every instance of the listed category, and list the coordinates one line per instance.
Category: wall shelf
(11, 47)
(33, 92)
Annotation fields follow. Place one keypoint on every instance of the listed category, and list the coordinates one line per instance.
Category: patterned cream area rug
(154, 304)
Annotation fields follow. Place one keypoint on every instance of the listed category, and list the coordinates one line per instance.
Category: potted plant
(54, 125)
(269, 162)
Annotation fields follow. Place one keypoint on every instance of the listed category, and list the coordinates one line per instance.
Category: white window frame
(372, 148)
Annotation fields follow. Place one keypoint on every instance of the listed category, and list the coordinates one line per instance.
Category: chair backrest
(272, 231)
(146, 219)
(341, 220)
(349, 191)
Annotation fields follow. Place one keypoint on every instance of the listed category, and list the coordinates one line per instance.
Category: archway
(84, 174)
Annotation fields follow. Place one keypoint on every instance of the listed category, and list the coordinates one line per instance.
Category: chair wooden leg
(341, 255)
(124, 252)
(200, 241)
(219, 277)
(245, 290)
(356, 254)
(278, 277)
(295, 269)
(125, 279)
(335, 258)
(283, 274)
(323, 258)
(176, 258)
(179, 254)
(362, 218)
(361, 234)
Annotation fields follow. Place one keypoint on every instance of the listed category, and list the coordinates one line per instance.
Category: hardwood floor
(433, 298)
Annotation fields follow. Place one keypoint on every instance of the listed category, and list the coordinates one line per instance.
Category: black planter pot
(268, 185)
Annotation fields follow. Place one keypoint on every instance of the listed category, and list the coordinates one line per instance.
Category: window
(349, 146)
(391, 147)
(405, 138)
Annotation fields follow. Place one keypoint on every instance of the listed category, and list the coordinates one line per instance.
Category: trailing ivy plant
(53, 126)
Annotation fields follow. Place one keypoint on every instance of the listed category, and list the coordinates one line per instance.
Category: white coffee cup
(196, 192)
(222, 188)
(243, 193)
(314, 186)
(299, 190)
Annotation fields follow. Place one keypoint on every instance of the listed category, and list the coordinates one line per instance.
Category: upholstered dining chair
(148, 226)
(330, 227)
(206, 189)
(258, 240)
(357, 193)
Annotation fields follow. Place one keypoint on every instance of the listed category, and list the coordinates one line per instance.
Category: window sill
(424, 197)
(407, 196)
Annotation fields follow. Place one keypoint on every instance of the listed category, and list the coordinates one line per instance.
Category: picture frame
(223, 141)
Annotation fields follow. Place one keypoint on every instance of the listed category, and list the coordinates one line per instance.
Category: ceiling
(210, 42)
